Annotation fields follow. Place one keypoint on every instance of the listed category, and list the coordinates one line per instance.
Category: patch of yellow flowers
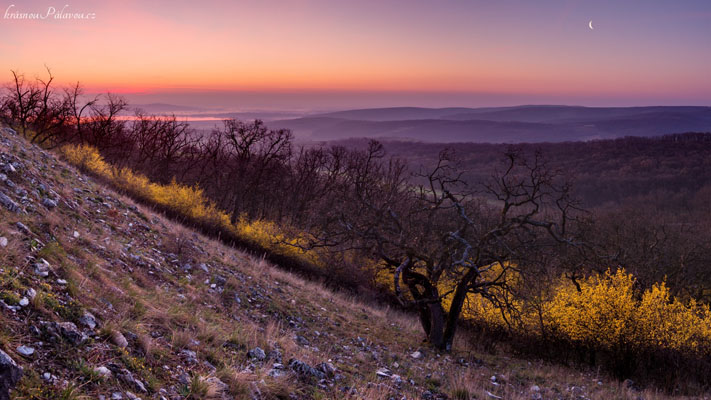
(608, 312)
(188, 201)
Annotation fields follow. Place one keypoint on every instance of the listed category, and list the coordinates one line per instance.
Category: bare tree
(21, 101)
(72, 99)
(443, 241)
(257, 160)
(37, 110)
(163, 145)
(106, 131)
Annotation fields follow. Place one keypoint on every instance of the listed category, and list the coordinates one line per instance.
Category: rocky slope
(101, 298)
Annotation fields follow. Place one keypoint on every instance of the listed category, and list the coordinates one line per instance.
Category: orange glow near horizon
(370, 46)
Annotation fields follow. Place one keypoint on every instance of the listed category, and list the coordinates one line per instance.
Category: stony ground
(104, 299)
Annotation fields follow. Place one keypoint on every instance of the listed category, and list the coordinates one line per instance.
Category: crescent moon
(590, 25)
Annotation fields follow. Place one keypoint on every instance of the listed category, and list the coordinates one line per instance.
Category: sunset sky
(384, 52)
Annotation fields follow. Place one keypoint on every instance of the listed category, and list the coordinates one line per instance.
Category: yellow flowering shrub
(269, 235)
(182, 199)
(608, 313)
(668, 323)
(188, 201)
(601, 313)
(87, 158)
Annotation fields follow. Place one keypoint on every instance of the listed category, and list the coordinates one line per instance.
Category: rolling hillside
(500, 125)
(102, 298)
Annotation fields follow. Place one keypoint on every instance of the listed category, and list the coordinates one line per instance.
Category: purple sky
(326, 54)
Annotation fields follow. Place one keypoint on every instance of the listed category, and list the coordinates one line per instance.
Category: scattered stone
(275, 355)
(3, 241)
(277, 370)
(397, 380)
(119, 340)
(209, 366)
(190, 356)
(493, 396)
(49, 203)
(23, 228)
(103, 372)
(70, 332)
(88, 320)
(535, 392)
(31, 293)
(132, 396)
(76, 235)
(42, 268)
(9, 203)
(64, 330)
(8, 168)
(10, 374)
(257, 353)
(300, 340)
(126, 377)
(305, 370)
(25, 350)
(383, 373)
(24, 302)
(327, 368)
(116, 396)
(62, 282)
(416, 355)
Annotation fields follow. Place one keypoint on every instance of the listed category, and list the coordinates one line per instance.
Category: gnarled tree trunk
(455, 309)
(429, 307)
(439, 326)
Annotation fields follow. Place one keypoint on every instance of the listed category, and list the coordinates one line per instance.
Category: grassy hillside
(102, 297)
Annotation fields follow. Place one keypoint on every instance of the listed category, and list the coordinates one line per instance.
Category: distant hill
(398, 113)
(500, 125)
(164, 108)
